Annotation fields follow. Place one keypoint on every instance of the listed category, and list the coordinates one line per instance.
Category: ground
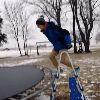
(89, 73)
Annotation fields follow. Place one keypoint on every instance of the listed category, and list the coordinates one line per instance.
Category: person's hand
(69, 46)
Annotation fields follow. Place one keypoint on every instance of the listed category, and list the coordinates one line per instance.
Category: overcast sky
(38, 35)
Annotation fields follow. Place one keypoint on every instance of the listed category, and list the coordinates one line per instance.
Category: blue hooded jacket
(53, 36)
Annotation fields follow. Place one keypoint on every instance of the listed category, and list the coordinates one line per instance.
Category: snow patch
(92, 82)
(63, 74)
(16, 53)
(93, 66)
(21, 63)
(90, 91)
(43, 97)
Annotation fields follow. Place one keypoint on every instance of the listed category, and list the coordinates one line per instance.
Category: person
(53, 37)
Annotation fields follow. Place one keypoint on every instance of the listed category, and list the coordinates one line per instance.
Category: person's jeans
(64, 59)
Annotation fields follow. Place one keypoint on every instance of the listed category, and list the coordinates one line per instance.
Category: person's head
(41, 23)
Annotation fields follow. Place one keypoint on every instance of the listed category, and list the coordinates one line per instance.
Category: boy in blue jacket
(60, 44)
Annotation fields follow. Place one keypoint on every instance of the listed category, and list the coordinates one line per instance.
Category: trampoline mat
(14, 80)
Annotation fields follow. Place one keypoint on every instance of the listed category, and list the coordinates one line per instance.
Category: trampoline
(14, 80)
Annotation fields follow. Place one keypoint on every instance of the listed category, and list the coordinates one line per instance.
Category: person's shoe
(76, 70)
(55, 73)
(61, 71)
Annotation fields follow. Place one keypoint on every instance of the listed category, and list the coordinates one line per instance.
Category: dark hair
(40, 21)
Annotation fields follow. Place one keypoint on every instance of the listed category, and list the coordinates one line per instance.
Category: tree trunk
(75, 47)
(24, 41)
(58, 13)
(58, 18)
(25, 48)
(37, 50)
(30, 48)
(87, 44)
(19, 47)
(18, 42)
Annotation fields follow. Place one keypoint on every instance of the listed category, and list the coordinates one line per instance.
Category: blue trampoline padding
(75, 95)
(14, 80)
(72, 83)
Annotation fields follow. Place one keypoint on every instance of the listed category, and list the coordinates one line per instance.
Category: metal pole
(37, 49)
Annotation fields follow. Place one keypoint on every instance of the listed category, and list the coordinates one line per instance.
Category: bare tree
(84, 17)
(74, 35)
(12, 15)
(50, 8)
(23, 19)
(18, 20)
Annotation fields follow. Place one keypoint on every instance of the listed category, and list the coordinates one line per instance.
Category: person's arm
(67, 39)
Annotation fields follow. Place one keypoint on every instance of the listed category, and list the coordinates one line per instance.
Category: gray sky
(38, 35)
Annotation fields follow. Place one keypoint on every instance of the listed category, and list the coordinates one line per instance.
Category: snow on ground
(16, 53)
(43, 97)
(89, 74)
(21, 63)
